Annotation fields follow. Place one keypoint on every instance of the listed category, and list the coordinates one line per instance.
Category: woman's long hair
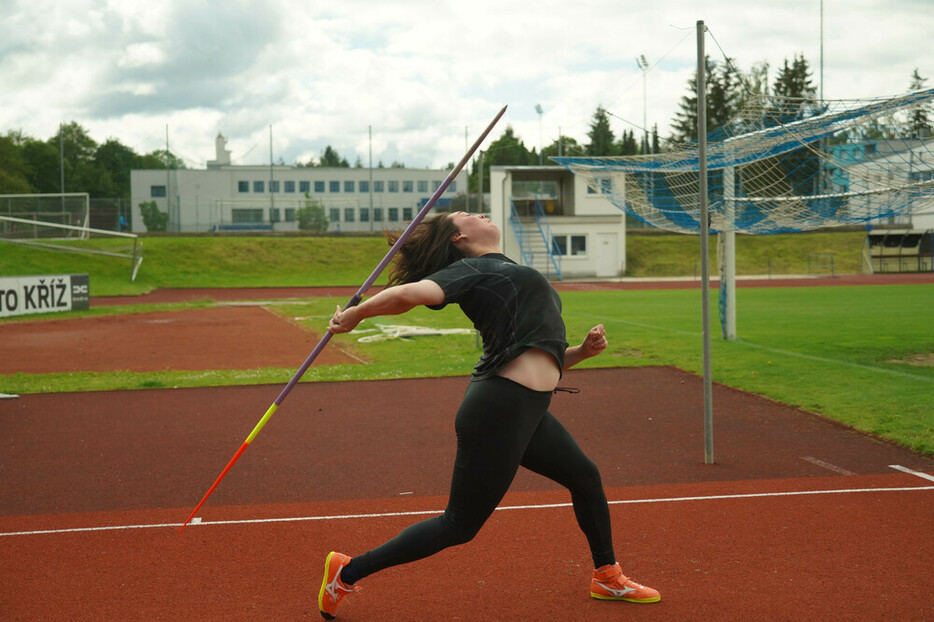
(426, 251)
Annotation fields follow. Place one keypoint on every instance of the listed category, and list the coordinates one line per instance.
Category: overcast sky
(427, 75)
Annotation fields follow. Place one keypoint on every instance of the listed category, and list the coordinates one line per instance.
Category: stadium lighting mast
(644, 66)
(541, 156)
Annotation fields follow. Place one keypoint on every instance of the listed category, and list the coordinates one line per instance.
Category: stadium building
(550, 218)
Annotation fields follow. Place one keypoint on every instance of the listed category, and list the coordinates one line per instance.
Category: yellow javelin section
(262, 422)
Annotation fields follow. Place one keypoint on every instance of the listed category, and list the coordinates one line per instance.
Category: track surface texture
(799, 519)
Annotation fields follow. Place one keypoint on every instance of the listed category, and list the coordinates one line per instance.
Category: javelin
(354, 300)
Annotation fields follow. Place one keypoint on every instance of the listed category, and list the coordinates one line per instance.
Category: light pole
(644, 66)
(541, 157)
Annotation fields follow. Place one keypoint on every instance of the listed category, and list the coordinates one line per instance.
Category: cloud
(417, 71)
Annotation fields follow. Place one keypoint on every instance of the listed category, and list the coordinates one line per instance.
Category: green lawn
(844, 352)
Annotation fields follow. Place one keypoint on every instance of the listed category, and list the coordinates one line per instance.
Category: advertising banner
(22, 295)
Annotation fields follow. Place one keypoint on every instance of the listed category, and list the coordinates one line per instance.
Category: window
(364, 214)
(348, 214)
(274, 185)
(364, 186)
(259, 186)
(408, 186)
(304, 186)
(605, 184)
(334, 186)
(273, 214)
(290, 186)
(348, 186)
(452, 187)
(406, 213)
(290, 214)
(334, 214)
(377, 214)
(377, 186)
(423, 186)
(577, 248)
(394, 186)
(393, 214)
(157, 191)
(319, 186)
(239, 216)
(243, 186)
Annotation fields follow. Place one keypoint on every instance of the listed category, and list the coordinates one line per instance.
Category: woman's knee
(461, 531)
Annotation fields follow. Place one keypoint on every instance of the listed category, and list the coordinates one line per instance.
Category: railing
(531, 245)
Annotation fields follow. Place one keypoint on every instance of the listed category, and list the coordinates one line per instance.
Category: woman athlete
(503, 422)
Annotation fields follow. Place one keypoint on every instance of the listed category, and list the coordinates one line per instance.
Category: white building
(911, 165)
(537, 207)
(550, 219)
(225, 197)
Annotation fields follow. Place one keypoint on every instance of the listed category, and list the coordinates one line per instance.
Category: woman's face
(477, 227)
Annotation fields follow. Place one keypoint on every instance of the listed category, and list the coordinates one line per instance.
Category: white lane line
(293, 519)
(827, 465)
(899, 467)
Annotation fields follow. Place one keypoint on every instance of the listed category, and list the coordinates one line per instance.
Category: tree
(117, 160)
(795, 95)
(507, 150)
(331, 159)
(628, 145)
(13, 171)
(564, 146)
(152, 217)
(42, 166)
(723, 95)
(602, 140)
(312, 217)
(919, 124)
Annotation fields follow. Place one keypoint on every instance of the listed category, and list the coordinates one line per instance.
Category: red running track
(800, 519)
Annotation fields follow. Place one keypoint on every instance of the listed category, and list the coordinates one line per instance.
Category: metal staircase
(535, 241)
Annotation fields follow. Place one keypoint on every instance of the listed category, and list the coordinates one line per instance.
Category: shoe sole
(628, 600)
(324, 583)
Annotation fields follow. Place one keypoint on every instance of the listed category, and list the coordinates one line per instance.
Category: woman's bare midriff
(535, 369)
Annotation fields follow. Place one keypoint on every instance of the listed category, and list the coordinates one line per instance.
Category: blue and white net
(784, 165)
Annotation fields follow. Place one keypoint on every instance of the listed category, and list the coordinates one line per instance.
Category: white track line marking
(899, 467)
(293, 519)
(827, 465)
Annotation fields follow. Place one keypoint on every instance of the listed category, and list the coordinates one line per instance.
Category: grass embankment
(843, 352)
(194, 262)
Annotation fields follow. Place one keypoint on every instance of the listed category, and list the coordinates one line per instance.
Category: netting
(71, 209)
(784, 165)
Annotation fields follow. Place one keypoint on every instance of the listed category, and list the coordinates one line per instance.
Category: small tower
(222, 154)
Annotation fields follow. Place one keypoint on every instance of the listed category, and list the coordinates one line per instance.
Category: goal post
(55, 237)
(67, 208)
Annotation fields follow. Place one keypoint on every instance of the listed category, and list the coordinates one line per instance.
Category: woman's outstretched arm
(390, 301)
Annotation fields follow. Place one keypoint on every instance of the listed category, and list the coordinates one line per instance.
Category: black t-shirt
(514, 307)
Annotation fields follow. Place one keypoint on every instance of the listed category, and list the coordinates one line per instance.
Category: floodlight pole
(704, 232)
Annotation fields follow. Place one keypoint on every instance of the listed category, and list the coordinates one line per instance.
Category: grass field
(324, 261)
(849, 353)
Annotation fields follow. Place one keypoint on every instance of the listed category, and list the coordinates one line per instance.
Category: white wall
(200, 200)
(591, 215)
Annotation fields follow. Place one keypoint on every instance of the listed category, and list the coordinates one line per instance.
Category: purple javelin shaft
(358, 296)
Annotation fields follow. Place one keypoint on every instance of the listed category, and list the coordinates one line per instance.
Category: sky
(422, 77)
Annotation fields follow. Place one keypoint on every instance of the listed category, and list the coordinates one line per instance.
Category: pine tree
(723, 96)
(602, 140)
(919, 124)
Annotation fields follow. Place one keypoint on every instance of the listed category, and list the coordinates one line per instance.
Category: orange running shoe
(333, 589)
(609, 583)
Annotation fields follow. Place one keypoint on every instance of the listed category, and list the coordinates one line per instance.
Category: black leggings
(500, 425)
